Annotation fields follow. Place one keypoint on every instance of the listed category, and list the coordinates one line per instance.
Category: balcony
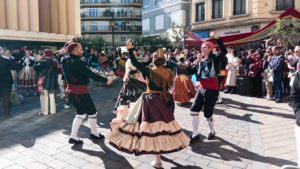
(110, 2)
(108, 29)
(284, 7)
(107, 13)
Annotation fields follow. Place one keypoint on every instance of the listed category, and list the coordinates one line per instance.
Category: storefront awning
(194, 40)
(250, 37)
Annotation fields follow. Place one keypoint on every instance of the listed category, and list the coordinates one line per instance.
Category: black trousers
(206, 98)
(83, 103)
(220, 80)
(286, 85)
(257, 85)
(6, 101)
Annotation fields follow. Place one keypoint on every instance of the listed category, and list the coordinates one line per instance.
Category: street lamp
(113, 30)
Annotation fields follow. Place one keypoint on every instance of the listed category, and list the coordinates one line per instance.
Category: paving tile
(131, 162)
(92, 166)
(5, 163)
(95, 160)
(44, 158)
(63, 156)
(12, 155)
(219, 165)
(31, 153)
(112, 165)
(37, 165)
(199, 160)
(57, 164)
(77, 162)
(15, 166)
(23, 161)
(50, 151)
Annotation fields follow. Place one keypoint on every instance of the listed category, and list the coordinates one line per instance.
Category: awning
(250, 37)
(194, 40)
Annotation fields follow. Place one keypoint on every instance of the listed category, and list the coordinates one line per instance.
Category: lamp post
(113, 30)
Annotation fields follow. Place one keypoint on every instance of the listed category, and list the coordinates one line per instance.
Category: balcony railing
(109, 1)
(199, 19)
(239, 12)
(284, 7)
(111, 14)
(109, 28)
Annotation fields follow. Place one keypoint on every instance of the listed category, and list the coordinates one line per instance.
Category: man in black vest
(77, 77)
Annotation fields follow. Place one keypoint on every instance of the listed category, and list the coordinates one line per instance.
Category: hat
(181, 55)
(72, 46)
(48, 52)
(159, 54)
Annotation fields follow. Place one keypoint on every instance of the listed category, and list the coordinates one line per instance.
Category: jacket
(295, 97)
(223, 63)
(6, 65)
(277, 63)
(213, 62)
(76, 72)
(265, 63)
(256, 66)
(43, 67)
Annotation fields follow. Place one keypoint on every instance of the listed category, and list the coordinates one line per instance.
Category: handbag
(270, 78)
(41, 82)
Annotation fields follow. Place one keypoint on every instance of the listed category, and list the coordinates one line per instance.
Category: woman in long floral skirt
(150, 127)
(28, 77)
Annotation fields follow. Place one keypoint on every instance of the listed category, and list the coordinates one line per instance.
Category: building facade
(38, 23)
(158, 15)
(115, 20)
(228, 17)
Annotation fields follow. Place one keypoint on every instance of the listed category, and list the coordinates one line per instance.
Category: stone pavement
(251, 133)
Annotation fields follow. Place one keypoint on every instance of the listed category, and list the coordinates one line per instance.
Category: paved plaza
(252, 133)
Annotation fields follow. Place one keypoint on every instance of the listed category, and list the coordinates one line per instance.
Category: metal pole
(113, 32)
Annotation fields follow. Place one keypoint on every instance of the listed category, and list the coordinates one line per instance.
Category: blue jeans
(277, 85)
(87, 59)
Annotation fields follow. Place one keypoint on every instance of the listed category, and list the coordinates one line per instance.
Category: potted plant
(118, 13)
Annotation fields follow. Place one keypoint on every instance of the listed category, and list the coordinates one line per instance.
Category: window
(282, 5)
(123, 38)
(93, 1)
(239, 7)
(125, 1)
(200, 12)
(93, 13)
(158, 1)
(146, 3)
(217, 9)
(146, 24)
(159, 22)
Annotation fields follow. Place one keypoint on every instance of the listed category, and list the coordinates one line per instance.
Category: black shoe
(226, 91)
(211, 136)
(290, 104)
(195, 139)
(73, 141)
(278, 101)
(233, 91)
(92, 136)
(219, 102)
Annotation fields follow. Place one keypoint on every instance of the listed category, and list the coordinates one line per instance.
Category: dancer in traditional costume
(134, 84)
(28, 77)
(150, 127)
(207, 70)
(183, 89)
(77, 76)
(121, 62)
